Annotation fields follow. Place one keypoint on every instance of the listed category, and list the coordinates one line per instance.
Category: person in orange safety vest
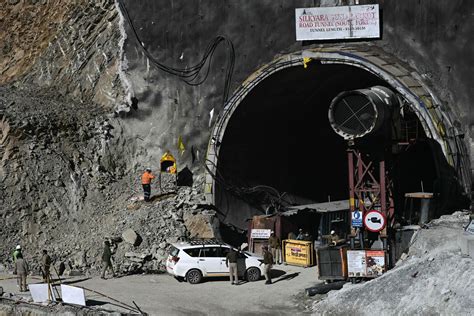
(146, 183)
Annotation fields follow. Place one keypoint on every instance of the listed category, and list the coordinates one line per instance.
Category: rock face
(71, 47)
(69, 181)
(77, 191)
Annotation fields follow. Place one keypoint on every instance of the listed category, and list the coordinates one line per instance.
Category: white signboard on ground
(365, 263)
(39, 293)
(356, 263)
(344, 22)
(470, 228)
(73, 295)
(260, 233)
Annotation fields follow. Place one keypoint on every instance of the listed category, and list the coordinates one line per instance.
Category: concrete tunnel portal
(274, 133)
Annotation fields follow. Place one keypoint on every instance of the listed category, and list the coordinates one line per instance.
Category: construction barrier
(332, 263)
(298, 252)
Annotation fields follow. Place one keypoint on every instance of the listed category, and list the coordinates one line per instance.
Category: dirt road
(164, 295)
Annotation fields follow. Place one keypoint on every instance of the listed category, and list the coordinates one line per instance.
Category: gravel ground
(161, 294)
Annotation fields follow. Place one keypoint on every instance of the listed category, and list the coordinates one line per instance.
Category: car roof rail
(205, 241)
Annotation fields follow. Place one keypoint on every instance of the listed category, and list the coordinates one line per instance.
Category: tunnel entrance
(280, 137)
(274, 140)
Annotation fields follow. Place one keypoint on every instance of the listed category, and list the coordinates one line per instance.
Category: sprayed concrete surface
(161, 294)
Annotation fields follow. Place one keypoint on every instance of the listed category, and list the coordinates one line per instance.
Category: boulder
(79, 259)
(131, 254)
(199, 226)
(130, 236)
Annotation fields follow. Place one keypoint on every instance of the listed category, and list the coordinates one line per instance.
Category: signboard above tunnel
(333, 23)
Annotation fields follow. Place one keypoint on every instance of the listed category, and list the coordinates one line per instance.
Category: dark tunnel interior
(279, 136)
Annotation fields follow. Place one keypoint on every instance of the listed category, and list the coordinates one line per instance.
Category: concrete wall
(434, 37)
(431, 36)
(168, 108)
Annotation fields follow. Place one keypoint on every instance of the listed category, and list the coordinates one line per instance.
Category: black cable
(190, 75)
(271, 195)
(243, 192)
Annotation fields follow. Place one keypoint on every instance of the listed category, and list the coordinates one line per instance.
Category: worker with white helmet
(334, 238)
(21, 270)
(16, 252)
(15, 255)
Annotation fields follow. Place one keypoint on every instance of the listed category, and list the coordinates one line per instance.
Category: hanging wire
(256, 196)
(190, 75)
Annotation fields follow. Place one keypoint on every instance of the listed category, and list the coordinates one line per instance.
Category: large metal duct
(354, 114)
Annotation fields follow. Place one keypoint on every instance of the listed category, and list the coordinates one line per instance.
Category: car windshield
(174, 251)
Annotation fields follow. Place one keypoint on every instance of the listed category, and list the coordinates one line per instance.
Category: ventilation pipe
(357, 113)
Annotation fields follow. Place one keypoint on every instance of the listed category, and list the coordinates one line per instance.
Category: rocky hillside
(57, 167)
(69, 182)
(71, 48)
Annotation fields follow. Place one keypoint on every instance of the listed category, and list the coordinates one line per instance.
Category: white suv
(195, 260)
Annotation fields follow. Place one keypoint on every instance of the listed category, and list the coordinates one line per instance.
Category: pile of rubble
(142, 233)
(434, 278)
(69, 181)
(148, 228)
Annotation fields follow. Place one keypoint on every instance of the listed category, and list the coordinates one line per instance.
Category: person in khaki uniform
(231, 263)
(46, 265)
(107, 260)
(21, 270)
(267, 264)
(275, 247)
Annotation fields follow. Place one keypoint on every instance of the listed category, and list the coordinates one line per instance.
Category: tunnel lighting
(354, 114)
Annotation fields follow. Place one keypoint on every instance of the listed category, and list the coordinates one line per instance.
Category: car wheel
(253, 274)
(194, 276)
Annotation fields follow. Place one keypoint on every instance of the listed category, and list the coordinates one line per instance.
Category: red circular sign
(374, 221)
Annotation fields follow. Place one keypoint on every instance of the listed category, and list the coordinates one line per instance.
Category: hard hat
(148, 169)
(333, 232)
(18, 247)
